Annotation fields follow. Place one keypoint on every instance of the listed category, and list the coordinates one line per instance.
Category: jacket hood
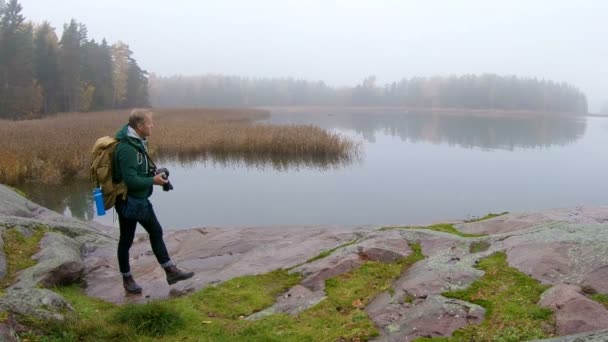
(123, 135)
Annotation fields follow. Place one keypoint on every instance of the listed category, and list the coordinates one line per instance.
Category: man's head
(141, 121)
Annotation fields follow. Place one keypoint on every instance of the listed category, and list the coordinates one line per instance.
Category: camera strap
(149, 159)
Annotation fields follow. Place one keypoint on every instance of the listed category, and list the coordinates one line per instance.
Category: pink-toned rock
(574, 313)
(294, 301)
(500, 225)
(434, 316)
(580, 214)
(558, 295)
(597, 280)
(433, 245)
(66, 274)
(379, 254)
(316, 281)
(554, 246)
(385, 247)
(521, 221)
(214, 254)
(447, 266)
(425, 278)
(548, 262)
(296, 292)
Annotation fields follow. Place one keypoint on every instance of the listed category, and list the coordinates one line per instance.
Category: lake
(413, 168)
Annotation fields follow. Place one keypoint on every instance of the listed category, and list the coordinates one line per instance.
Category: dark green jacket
(131, 164)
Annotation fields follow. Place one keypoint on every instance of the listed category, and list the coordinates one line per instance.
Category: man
(131, 165)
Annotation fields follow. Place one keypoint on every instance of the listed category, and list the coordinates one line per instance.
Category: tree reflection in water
(467, 131)
(487, 131)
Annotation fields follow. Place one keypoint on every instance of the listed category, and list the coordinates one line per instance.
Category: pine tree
(19, 93)
(137, 86)
(70, 63)
(46, 61)
(104, 92)
(96, 77)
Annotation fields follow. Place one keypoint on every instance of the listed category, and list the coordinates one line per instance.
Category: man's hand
(159, 180)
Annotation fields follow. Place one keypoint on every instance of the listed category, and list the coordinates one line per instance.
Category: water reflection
(74, 198)
(265, 189)
(484, 131)
(262, 161)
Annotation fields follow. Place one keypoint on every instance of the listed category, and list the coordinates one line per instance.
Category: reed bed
(53, 149)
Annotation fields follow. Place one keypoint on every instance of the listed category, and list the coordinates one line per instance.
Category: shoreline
(411, 110)
(300, 278)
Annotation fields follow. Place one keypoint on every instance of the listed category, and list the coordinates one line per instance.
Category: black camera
(165, 174)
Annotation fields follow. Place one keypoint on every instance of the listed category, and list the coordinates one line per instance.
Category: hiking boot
(174, 274)
(130, 285)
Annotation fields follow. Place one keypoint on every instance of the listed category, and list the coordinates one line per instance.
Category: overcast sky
(341, 42)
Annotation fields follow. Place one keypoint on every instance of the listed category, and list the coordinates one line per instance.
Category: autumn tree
(121, 55)
(40, 74)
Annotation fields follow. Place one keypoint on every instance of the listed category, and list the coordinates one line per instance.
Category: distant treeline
(40, 74)
(486, 91)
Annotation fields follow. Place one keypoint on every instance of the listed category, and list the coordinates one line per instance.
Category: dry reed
(53, 149)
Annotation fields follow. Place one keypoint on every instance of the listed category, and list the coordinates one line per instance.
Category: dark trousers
(127, 234)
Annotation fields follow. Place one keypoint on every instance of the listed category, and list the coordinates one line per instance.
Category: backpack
(101, 171)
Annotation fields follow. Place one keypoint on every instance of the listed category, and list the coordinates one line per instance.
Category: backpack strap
(147, 155)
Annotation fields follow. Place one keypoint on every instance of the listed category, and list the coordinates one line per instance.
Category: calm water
(414, 168)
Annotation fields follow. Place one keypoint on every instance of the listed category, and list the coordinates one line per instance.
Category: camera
(165, 175)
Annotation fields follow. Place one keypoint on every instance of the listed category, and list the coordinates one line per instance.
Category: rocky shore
(566, 249)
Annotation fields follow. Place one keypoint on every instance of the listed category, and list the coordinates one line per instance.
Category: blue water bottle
(98, 197)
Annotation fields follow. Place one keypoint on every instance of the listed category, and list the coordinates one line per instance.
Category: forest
(41, 73)
(487, 91)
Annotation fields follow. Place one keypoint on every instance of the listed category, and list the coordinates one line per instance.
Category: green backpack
(101, 171)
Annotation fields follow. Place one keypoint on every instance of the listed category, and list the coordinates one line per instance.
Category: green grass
(601, 298)
(18, 191)
(217, 313)
(509, 298)
(329, 251)
(408, 298)
(488, 216)
(154, 319)
(479, 246)
(441, 227)
(19, 250)
(242, 296)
